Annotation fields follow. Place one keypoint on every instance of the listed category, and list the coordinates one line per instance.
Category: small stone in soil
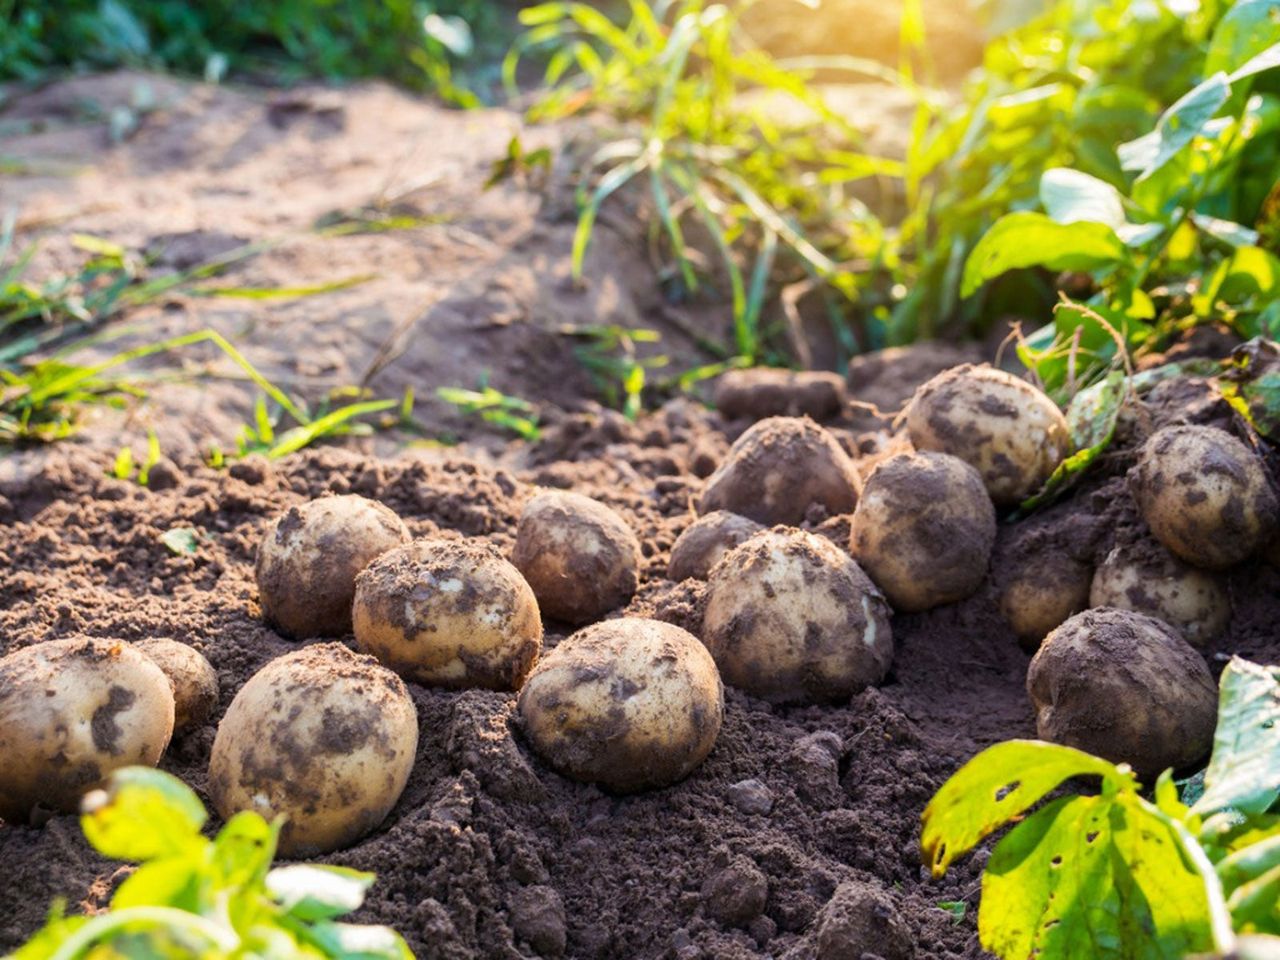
(751, 796)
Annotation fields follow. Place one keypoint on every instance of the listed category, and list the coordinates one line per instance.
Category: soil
(796, 838)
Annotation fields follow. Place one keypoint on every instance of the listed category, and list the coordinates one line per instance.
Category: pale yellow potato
(309, 558)
(448, 613)
(323, 736)
(1205, 495)
(791, 618)
(578, 555)
(1146, 578)
(194, 682)
(1009, 431)
(1040, 591)
(705, 541)
(923, 530)
(72, 711)
(630, 704)
(778, 469)
(1125, 687)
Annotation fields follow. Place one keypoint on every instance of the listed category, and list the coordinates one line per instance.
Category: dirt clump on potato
(1009, 431)
(778, 469)
(705, 541)
(578, 555)
(308, 561)
(72, 711)
(194, 681)
(448, 613)
(1146, 578)
(1125, 687)
(923, 530)
(771, 392)
(322, 736)
(629, 704)
(791, 618)
(1204, 495)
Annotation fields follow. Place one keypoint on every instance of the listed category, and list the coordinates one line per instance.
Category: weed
(492, 406)
(612, 358)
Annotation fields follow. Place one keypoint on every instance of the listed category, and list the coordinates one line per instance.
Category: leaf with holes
(996, 786)
(1105, 877)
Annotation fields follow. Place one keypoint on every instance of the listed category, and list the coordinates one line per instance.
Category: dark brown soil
(797, 838)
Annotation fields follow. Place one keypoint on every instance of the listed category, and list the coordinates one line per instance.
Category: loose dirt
(796, 839)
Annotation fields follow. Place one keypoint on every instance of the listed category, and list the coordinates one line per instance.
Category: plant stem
(108, 923)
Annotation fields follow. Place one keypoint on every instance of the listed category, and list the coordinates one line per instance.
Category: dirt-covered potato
(1125, 687)
(770, 392)
(323, 736)
(778, 469)
(1013, 434)
(791, 618)
(705, 541)
(1041, 591)
(194, 682)
(448, 613)
(630, 704)
(1204, 495)
(1147, 578)
(923, 530)
(308, 561)
(578, 555)
(71, 711)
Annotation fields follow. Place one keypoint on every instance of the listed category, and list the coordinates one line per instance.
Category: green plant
(1113, 874)
(492, 406)
(215, 899)
(612, 357)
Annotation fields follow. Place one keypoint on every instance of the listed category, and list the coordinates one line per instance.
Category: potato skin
(1043, 591)
(1204, 495)
(194, 682)
(448, 613)
(1009, 431)
(1146, 578)
(630, 704)
(923, 530)
(308, 561)
(772, 392)
(324, 736)
(1125, 687)
(578, 555)
(791, 618)
(705, 541)
(780, 467)
(72, 711)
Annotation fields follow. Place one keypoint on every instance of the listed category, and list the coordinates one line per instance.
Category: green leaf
(243, 850)
(1027, 239)
(994, 787)
(1268, 59)
(1092, 416)
(345, 941)
(1177, 127)
(1244, 31)
(311, 892)
(142, 814)
(452, 33)
(123, 467)
(303, 436)
(1251, 384)
(167, 882)
(1069, 196)
(1103, 877)
(1244, 770)
(956, 908)
(183, 541)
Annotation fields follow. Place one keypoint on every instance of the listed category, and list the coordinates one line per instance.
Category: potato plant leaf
(1244, 31)
(1177, 127)
(996, 786)
(1244, 770)
(311, 892)
(1251, 385)
(1029, 239)
(1094, 876)
(142, 814)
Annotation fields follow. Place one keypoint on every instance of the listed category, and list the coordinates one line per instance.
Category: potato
(923, 530)
(579, 556)
(780, 467)
(1008, 430)
(448, 613)
(1125, 687)
(705, 541)
(791, 618)
(308, 561)
(768, 392)
(194, 682)
(629, 704)
(1204, 495)
(323, 736)
(71, 711)
(1042, 590)
(1146, 578)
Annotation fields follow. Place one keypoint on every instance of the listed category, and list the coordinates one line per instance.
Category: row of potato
(327, 736)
